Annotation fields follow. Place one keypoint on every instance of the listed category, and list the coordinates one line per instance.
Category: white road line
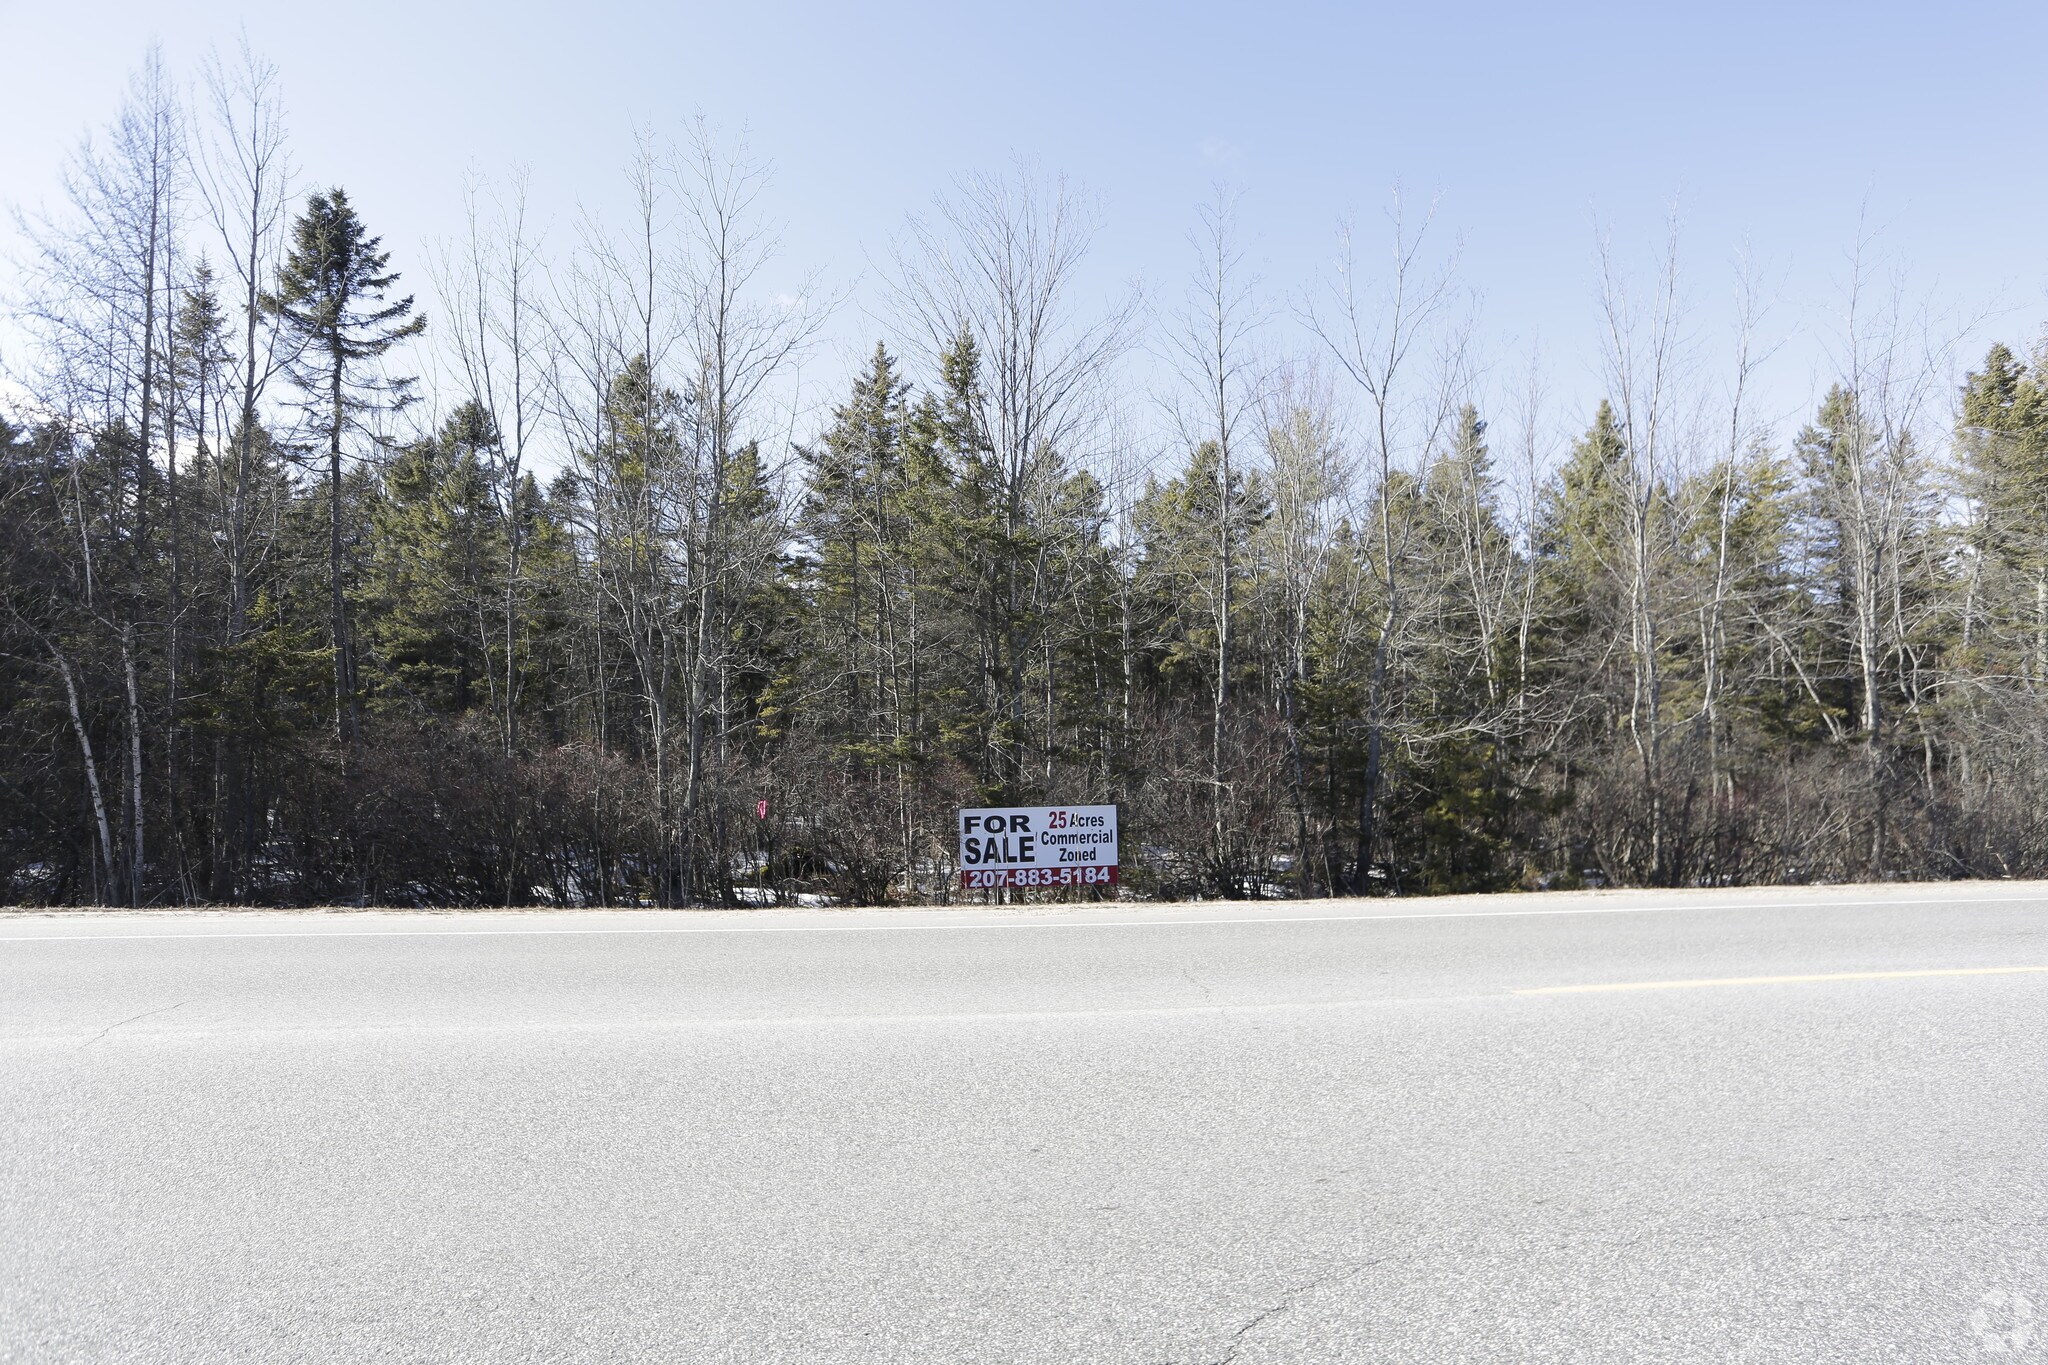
(1804, 978)
(731, 1021)
(1047, 923)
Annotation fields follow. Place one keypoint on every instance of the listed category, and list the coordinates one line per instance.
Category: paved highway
(1770, 1126)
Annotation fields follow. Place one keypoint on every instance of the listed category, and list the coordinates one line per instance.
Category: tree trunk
(344, 691)
(92, 771)
(136, 858)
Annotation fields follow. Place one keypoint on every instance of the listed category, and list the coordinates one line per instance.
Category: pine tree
(1178, 522)
(437, 551)
(1471, 566)
(333, 297)
(977, 541)
(1851, 532)
(853, 525)
(2002, 437)
(1580, 540)
(1581, 523)
(200, 358)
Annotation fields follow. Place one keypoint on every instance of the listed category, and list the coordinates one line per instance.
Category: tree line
(603, 615)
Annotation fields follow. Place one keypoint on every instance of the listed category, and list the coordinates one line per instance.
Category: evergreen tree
(1581, 524)
(1580, 540)
(333, 297)
(438, 551)
(1178, 525)
(854, 523)
(2002, 436)
(1852, 546)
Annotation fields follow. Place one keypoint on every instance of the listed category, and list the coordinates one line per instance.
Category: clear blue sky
(1775, 123)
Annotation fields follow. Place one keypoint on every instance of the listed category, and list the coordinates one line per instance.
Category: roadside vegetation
(603, 616)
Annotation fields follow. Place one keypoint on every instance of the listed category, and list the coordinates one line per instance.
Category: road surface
(1746, 1126)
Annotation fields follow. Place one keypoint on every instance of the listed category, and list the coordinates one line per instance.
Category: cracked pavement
(1158, 1135)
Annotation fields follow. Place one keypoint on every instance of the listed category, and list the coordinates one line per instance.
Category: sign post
(1038, 846)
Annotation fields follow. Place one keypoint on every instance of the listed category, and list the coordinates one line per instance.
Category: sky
(1788, 131)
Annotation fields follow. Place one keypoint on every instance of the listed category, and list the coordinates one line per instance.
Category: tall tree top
(334, 286)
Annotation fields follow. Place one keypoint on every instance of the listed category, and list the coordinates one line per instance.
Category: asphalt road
(1303, 1133)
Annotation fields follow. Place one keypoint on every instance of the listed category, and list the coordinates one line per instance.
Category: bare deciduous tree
(1380, 336)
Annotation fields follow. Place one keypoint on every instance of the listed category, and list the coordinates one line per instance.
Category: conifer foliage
(331, 297)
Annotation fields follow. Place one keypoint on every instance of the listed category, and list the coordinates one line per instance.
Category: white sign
(1038, 846)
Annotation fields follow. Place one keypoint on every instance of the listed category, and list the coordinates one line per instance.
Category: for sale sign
(1038, 846)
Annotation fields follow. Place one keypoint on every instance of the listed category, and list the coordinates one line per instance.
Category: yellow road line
(1773, 980)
